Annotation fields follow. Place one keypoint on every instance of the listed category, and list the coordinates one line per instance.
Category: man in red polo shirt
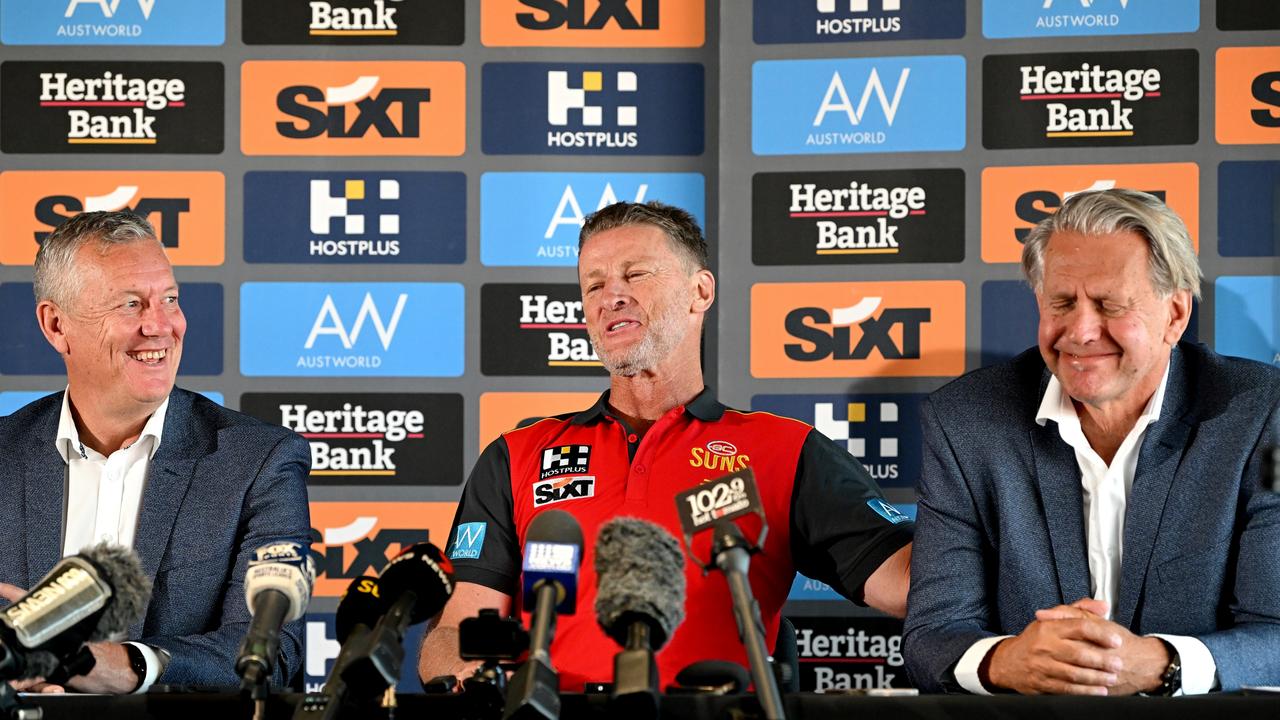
(656, 431)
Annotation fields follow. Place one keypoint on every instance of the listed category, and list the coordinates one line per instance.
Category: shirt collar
(1057, 406)
(68, 440)
(704, 407)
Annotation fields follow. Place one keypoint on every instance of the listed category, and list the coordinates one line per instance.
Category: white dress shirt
(1105, 489)
(104, 496)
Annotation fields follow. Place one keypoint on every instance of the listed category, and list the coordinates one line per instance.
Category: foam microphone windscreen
(130, 587)
(639, 576)
(423, 569)
(362, 604)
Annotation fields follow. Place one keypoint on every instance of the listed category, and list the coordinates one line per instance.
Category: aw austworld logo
(860, 105)
(113, 22)
(352, 329)
(593, 109)
(1045, 18)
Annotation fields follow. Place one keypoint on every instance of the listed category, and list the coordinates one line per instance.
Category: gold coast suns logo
(718, 456)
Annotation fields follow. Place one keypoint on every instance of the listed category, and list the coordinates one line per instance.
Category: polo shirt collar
(703, 407)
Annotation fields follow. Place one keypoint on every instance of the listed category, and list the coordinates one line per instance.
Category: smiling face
(642, 302)
(121, 337)
(1105, 332)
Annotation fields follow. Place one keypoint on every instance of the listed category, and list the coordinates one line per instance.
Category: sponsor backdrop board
(308, 163)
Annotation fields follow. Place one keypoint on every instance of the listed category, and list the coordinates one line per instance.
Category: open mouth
(620, 324)
(148, 357)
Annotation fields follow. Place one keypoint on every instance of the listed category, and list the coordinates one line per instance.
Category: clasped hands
(1073, 649)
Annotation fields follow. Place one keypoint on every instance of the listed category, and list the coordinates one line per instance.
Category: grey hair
(56, 278)
(1174, 265)
(680, 227)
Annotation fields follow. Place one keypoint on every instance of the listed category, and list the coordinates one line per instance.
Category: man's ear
(52, 320)
(1180, 304)
(705, 291)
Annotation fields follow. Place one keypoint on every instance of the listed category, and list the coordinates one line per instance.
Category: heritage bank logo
(350, 539)
(874, 329)
(353, 22)
(1248, 205)
(592, 23)
(854, 653)
(1246, 321)
(881, 430)
(1044, 18)
(888, 104)
(1090, 99)
(111, 107)
(352, 108)
(535, 329)
(533, 218)
(846, 218)
(596, 109)
(24, 351)
(1247, 87)
(352, 329)
(810, 21)
(112, 22)
(1015, 199)
(355, 217)
(402, 439)
(187, 209)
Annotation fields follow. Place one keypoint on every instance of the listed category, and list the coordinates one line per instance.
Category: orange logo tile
(1014, 199)
(188, 209)
(350, 539)
(592, 23)
(1247, 103)
(352, 108)
(503, 411)
(872, 329)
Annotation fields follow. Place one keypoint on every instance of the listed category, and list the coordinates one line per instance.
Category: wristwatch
(1171, 679)
(138, 662)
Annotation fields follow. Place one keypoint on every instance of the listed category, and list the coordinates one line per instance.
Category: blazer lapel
(1158, 461)
(170, 475)
(45, 479)
(1060, 495)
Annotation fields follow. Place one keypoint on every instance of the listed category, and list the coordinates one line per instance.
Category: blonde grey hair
(1174, 265)
(56, 278)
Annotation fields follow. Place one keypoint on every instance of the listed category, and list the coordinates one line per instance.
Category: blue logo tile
(1245, 317)
(24, 351)
(322, 647)
(355, 217)
(592, 109)
(809, 21)
(1249, 209)
(860, 105)
(533, 218)
(112, 22)
(323, 329)
(468, 541)
(1033, 18)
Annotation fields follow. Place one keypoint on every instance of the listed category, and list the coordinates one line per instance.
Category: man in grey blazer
(124, 456)
(1091, 518)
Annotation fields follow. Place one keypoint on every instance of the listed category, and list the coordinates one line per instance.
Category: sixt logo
(572, 14)
(539, 312)
(875, 333)
(592, 23)
(561, 98)
(377, 20)
(374, 109)
(549, 492)
(1036, 205)
(350, 539)
(1247, 93)
(54, 210)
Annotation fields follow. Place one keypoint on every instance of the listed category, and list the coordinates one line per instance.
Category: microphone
(713, 506)
(91, 596)
(372, 618)
(640, 590)
(277, 588)
(552, 553)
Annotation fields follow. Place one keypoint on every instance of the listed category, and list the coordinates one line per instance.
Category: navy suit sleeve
(948, 608)
(1246, 653)
(275, 509)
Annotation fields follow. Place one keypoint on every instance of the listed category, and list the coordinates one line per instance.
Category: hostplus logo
(836, 102)
(872, 438)
(374, 20)
(1122, 88)
(857, 25)
(388, 112)
(875, 332)
(330, 209)
(565, 103)
(556, 317)
(108, 10)
(880, 205)
(93, 105)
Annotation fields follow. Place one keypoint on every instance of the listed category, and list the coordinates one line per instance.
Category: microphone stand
(534, 691)
(732, 555)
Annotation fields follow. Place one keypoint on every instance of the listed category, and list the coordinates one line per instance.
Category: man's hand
(11, 592)
(1144, 659)
(112, 673)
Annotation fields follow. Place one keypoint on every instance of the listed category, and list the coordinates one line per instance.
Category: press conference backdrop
(373, 208)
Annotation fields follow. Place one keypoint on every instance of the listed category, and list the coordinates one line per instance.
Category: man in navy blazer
(124, 456)
(1091, 517)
